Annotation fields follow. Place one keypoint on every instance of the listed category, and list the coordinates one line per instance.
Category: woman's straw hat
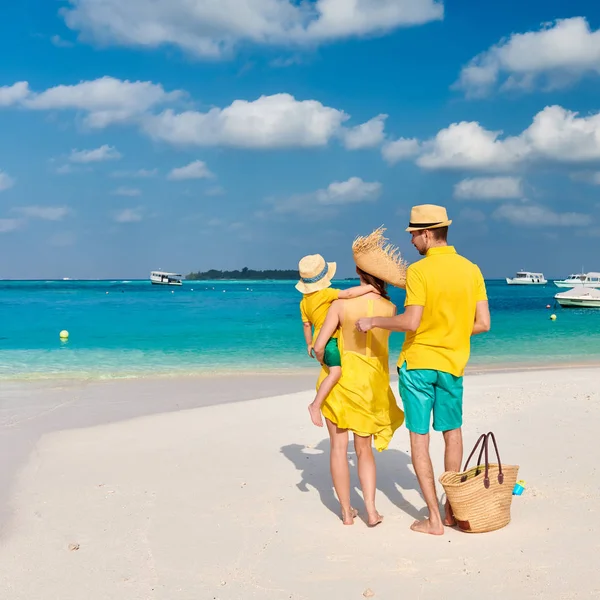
(427, 216)
(315, 274)
(376, 256)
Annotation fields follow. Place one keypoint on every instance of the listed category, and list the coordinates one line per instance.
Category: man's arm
(409, 321)
(308, 338)
(332, 321)
(482, 318)
(355, 292)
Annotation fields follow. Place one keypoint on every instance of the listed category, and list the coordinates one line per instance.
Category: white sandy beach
(233, 500)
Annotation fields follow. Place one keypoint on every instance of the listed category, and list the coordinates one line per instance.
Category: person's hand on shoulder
(365, 324)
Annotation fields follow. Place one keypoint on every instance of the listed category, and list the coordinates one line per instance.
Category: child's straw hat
(376, 256)
(315, 274)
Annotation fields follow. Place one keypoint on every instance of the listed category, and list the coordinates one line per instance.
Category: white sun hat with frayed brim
(375, 255)
(315, 274)
(427, 216)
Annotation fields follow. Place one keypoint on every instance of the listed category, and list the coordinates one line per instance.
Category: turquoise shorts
(424, 391)
(331, 356)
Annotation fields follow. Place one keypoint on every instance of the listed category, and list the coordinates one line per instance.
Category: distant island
(245, 273)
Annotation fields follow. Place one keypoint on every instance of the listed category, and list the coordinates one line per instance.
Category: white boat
(527, 278)
(587, 280)
(164, 278)
(579, 298)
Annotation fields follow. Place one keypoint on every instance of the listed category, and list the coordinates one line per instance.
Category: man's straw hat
(427, 216)
(315, 274)
(376, 256)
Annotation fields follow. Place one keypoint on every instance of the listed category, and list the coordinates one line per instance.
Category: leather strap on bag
(484, 440)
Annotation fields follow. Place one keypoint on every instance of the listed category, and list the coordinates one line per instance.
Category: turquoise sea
(132, 328)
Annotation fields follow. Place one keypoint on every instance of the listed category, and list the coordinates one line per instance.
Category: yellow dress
(363, 401)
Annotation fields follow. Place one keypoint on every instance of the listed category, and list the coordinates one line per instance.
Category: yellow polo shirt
(314, 307)
(448, 286)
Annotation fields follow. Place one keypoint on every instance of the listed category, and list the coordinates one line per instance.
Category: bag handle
(484, 440)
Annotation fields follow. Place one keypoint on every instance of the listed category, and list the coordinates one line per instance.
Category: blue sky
(187, 135)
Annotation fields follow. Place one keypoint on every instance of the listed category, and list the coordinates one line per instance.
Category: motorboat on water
(164, 278)
(588, 280)
(527, 278)
(579, 297)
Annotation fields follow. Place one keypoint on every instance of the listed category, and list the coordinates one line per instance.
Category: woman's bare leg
(340, 471)
(367, 473)
(314, 408)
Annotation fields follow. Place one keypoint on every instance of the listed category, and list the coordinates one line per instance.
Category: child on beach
(315, 282)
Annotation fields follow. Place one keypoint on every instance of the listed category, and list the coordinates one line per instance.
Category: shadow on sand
(393, 475)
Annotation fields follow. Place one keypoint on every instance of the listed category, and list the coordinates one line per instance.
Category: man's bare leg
(452, 462)
(340, 472)
(314, 408)
(367, 473)
(419, 445)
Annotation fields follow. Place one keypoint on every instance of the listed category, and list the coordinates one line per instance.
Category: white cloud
(104, 101)
(101, 154)
(534, 215)
(13, 94)
(468, 145)
(139, 174)
(195, 170)
(45, 213)
(129, 192)
(8, 225)
(276, 121)
(555, 56)
(269, 122)
(367, 135)
(400, 149)
(129, 215)
(556, 134)
(488, 188)
(338, 193)
(217, 190)
(591, 177)
(6, 181)
(60, 43)
(65, 170)
(211, 29)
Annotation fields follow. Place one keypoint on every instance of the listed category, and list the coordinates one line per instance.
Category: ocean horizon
(120, 328)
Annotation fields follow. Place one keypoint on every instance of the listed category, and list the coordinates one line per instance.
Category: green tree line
(245, 273)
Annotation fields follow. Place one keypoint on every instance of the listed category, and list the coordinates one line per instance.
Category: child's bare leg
(314, 408)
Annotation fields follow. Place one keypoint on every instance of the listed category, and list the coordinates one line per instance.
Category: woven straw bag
(481, 496)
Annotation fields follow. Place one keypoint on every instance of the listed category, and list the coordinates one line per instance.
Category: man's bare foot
(315, 415)
(449, 520)
(374, 520)
(427, 527)
(348, 518)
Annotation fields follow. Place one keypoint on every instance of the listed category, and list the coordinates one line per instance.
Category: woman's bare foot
(315, 414)
(348, 518)
(449, 520)
(427, 527)
(374, 520)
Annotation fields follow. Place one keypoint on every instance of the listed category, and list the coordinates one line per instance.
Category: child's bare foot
(427, 527)
(348, 518)
(315, 414)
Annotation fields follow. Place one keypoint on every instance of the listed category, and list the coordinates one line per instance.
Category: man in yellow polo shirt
(446, 303)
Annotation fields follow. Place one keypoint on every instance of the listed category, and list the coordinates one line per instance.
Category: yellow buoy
(553, 317)
(64, 334)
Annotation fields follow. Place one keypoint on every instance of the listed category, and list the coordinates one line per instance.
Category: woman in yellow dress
(362, 401)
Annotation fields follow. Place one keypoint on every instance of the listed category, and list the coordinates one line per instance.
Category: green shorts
(424, 391)
(332, 356)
